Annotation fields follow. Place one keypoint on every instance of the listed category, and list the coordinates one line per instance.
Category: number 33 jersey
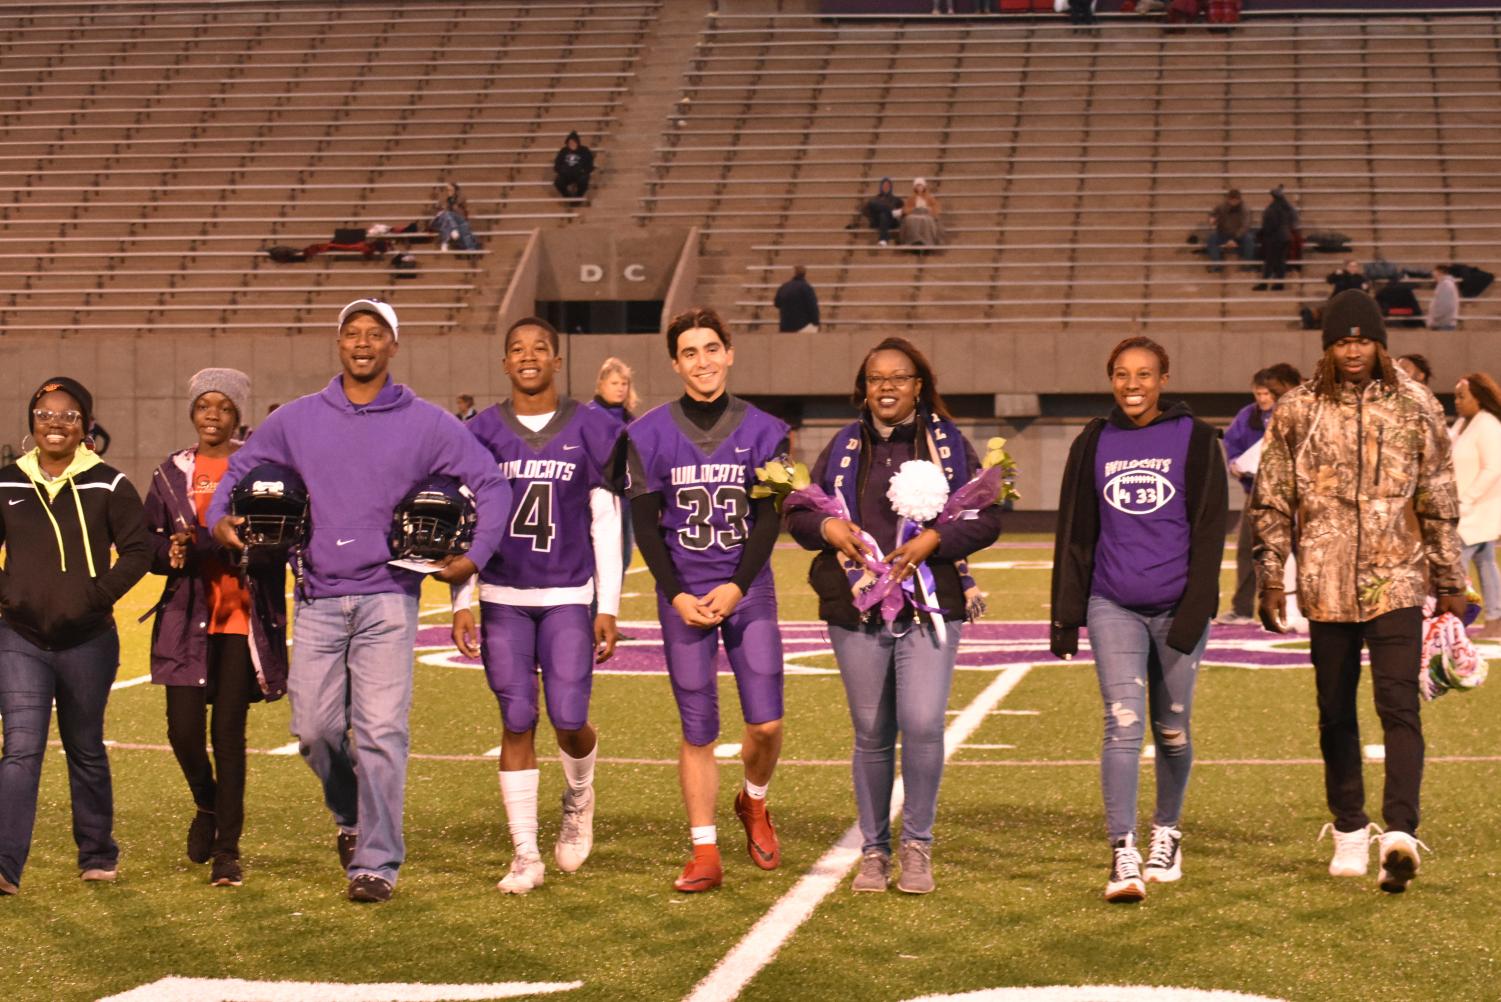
(547, 543)
(704, 477)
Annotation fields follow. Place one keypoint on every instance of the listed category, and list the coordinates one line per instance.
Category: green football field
(1020, 859)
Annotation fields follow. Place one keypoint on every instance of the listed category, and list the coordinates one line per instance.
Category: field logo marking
(231, 989)
(1096, 993)
(759, 946)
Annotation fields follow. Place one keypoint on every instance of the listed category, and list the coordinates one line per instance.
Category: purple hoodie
(358, 463)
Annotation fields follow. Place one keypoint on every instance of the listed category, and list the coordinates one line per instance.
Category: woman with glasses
(897, 675)
(61, 510)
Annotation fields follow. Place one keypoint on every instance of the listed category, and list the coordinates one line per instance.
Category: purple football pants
(515, 640)
(753, 645)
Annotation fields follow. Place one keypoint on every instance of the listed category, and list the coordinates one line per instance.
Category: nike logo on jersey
(17, 501)
(570, 448)
(746, 449)
(342, 542)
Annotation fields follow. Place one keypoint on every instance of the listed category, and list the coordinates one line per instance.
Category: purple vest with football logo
(547, 542)
(1141, 559)
(704, 478)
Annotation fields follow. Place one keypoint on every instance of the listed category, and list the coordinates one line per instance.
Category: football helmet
(435, 520)
(273, 501)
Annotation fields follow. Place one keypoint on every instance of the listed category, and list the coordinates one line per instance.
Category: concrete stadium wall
(139, 383)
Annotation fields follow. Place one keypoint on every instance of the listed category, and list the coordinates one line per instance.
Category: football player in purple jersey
(560, 550)
(691, 464)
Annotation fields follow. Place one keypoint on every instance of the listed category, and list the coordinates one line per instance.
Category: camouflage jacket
(1363, 486)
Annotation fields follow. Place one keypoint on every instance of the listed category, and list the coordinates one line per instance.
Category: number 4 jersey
(704, 477)
(548, 546)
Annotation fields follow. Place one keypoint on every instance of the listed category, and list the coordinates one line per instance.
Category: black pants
(570, 186)
(1395, 641)
(231, 683)
(1244, 602)
(1274, 257)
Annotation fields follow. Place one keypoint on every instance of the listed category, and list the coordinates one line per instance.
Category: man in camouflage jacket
(1357, 481)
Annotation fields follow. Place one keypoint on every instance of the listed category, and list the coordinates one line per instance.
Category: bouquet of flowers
(779, 478)
(1450, 660)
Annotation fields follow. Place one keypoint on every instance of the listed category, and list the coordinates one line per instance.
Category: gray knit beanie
(233, 383)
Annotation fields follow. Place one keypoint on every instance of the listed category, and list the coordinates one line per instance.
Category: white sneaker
(1352, 850)
(576, 837)
(1165, 858)
(526, 874)
(1399, 860)
(1125, 883)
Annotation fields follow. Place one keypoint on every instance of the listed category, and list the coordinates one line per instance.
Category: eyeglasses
(896, 382)
(62, 417)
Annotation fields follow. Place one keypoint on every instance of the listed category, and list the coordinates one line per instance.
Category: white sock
(518, 791)
(756, 792)
(579, 771)
(704, 834)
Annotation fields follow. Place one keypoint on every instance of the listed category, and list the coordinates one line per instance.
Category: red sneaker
(703, 872)
(760, 837)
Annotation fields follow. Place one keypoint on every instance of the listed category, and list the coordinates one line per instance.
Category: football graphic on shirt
(1138, 492)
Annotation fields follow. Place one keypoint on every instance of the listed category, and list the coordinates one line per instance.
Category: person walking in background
(1141, 530)
(1243, 448)
(1274, 238)
(896, 676)
(465, 410)
(571, 168)
(797, 304)
(206, 620)
(615, 394)
(1443, 311)
(1357, 482)
(1231, 225)
(64, 510)
(1477, 477)
(1417, 368)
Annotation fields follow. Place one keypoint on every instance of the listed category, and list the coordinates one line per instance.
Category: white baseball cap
(379, 307)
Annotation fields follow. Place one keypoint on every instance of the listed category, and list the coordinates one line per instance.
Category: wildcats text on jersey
(708, 473)
(537, 469)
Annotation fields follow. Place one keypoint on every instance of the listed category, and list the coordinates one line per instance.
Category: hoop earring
(27, 448)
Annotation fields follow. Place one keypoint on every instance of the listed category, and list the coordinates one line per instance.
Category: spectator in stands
(1278, 220)
(1351, 276)
(571, 168)
(797, 304)
(1243, 449)
(1231, 224)
(1399, 303)
(884, 210)
(1417, 367)
(921, 226)
(451, 219)
(466, 411)
(1443, 311)
(1081, 12)
(1477, 475)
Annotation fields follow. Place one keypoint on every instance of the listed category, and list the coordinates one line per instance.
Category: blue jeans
(1140, 677)
(896, 684)
(1484, 555)
(1216, 243)
(352, 667)
(79, 679)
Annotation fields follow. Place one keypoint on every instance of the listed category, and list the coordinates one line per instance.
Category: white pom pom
(918, 490)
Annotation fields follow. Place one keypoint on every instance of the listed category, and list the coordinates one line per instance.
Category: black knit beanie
(72, 388)
(1353, 313)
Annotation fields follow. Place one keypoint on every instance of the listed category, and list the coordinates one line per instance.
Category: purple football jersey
(704, 478)
(546, 543)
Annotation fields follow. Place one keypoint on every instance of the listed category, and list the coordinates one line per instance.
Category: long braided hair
(1326, 376)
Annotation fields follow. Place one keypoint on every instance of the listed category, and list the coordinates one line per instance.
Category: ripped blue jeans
(1142, 678)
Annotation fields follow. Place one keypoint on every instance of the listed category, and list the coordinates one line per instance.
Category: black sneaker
(226, 871)
(201, 836)
(346, 842)
(368, 887)
(1125, 883)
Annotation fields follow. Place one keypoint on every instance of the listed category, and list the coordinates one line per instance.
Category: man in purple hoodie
(360, 445)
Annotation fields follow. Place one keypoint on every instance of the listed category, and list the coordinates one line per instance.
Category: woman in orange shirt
(219, 637)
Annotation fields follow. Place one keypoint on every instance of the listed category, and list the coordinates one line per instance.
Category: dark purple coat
(179, 635)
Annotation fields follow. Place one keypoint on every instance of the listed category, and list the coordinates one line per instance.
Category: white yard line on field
(126, 683)
(759, 946)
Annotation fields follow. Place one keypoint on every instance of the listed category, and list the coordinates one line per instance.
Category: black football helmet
(435, 520)
(273, 501)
